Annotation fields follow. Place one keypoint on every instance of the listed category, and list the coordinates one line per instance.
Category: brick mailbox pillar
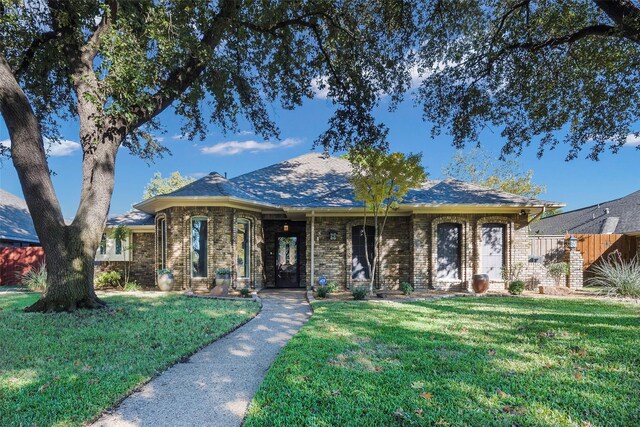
(574, 259)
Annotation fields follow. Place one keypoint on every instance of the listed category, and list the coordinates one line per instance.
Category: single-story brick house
(291, 223)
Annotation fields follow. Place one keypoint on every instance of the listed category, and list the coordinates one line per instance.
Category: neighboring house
(291, 223)
(619, 216)
(16, 226)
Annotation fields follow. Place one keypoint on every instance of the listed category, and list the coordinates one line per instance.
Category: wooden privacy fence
(596, 246)
(14, 261)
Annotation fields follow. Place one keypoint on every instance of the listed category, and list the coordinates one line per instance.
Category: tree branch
(28, 55)
(182, 77)
(625, 14)
(90, 49)
(592, 30)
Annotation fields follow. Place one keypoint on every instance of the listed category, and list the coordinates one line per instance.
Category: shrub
(109, 279)
(244, 292)
(132, 287)
(558, 270)
(223, 271)
(359, 294)
(406, 288)
(322, 291)
(617, 277)
(516, 287)
(332, 287)
(35, 279)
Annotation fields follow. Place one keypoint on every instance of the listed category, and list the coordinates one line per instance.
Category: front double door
(287, 261)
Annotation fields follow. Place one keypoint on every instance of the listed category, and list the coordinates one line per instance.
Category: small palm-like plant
(34, 279)
(617, 276)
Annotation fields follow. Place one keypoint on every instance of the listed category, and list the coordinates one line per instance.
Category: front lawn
(460, 361)
(65, 369)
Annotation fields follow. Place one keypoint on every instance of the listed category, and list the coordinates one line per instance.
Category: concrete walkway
(216, 385)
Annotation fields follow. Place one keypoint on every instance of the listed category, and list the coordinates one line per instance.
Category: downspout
(313, 246)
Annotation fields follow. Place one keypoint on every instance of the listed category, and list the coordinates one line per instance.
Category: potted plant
(165, 279)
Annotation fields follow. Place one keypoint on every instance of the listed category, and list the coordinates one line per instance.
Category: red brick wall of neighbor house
(220, 245)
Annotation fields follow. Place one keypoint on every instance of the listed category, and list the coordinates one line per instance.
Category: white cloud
(633, 140)
(320, 93)
(60, 148)
(244, 133)
(230, 148)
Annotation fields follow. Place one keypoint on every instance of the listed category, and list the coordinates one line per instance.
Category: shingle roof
(132, 218)
(212, 185)
(615, 216)
(15, 220)
(314, 180)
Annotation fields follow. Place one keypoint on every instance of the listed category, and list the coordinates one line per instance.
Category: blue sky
(577, 183)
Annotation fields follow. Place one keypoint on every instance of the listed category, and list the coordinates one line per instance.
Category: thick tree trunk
(69, 276)
(69, 250)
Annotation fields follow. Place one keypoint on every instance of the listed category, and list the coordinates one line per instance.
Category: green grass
(65, 369)
(464, 361)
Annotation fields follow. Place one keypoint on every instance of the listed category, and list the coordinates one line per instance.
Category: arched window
(492, 250)
(449, 242)
(359, 266)
(243, 247)
(162, 242)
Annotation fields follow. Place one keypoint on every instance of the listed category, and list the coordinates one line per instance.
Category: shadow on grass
(499, 361)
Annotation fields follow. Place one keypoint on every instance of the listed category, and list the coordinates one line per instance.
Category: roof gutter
(538, 215)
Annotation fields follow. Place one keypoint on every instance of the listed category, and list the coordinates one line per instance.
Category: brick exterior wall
(221, 248)
(408, 249)
(141, 261)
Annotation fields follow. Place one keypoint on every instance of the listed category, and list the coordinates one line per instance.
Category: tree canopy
(541, 71)
(381, 180)
(159, 185)
(479, 167)
(114, 66)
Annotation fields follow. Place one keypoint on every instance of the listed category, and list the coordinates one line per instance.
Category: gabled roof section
(614, 216)
(212, 185)
(133, 218)
(15, 220)
(298, 182)
(317, 181)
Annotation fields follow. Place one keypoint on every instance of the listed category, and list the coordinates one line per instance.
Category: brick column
(574, 259)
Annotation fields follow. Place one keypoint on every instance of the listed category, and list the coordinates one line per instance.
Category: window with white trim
(448, 247)
(492, 259)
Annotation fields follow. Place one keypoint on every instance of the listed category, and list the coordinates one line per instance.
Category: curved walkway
(214, 387)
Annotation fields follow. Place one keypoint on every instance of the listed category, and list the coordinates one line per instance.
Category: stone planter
(480, 283)
(223, 280)
(165, 281)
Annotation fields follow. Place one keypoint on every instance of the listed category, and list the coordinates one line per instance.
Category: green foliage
(163, 271)
(497, 64)
(558, 271)
(531, 362)
(108, 279)
(159, 185)
(478, 167)
(406, 288)
(516, 287)
(245, 292)
(67, 369)
(380, 180)
(617, 276)
(34, 279)
(359, 293)
(223, 271)
(332, 287)
(322, 292)
(132, 287)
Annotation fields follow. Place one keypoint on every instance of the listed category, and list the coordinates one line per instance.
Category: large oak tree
(541, 72)
(115, 65)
